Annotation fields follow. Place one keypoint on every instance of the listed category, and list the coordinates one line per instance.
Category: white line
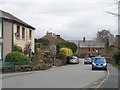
(103, 80)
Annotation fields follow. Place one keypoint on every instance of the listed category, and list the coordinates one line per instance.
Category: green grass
(117, 66)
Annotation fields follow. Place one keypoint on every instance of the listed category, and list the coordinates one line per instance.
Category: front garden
(19, 62)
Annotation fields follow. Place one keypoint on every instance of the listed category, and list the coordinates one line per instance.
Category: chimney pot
(83, 39)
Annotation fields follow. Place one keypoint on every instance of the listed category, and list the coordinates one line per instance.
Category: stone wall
(24, 68)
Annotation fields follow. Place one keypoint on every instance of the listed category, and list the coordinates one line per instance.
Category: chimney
(83, 39)
(58, 36)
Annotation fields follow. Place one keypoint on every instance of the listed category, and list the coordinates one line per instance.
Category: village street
(69, 76)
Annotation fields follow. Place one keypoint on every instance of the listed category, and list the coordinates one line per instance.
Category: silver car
(88, 60)
(74, 59)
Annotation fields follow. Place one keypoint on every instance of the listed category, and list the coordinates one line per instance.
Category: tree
(43, 41)
(106, 37)
(70, 45)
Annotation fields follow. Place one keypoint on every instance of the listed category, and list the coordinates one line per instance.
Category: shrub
(60, 55)
(116, 56)
(37, 62)
(66, 52)
(17, 57)
(17, 48)
(70, 45)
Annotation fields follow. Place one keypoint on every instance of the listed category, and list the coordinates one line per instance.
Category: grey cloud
(72, 19)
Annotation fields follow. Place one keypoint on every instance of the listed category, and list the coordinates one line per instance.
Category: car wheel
(106, 69)
(93, 68)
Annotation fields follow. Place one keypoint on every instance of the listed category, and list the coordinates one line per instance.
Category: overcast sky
(72, 19)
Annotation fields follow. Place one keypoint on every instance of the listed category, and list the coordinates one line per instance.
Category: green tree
(43, 41)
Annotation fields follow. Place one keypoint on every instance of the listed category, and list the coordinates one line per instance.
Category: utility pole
(119, 18)
(118, 40)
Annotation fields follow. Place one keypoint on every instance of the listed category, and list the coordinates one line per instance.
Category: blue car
(99, 63)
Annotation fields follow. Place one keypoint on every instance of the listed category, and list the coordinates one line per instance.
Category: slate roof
(91, 44)
(10, 17)
(88, 43)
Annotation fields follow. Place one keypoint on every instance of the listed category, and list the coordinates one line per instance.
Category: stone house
(14, 31)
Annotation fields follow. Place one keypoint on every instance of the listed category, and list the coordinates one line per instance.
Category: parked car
(87, 60)
(74, 59)
(99, 63)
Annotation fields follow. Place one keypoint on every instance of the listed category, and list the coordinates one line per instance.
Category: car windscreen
(87, 58)
(99, 59)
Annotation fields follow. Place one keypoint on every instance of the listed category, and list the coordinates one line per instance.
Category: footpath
(113, 78)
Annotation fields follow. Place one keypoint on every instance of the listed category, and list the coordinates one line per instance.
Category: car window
(99, 59)
(88, 58)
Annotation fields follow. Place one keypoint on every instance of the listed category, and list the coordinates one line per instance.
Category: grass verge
(117, 66)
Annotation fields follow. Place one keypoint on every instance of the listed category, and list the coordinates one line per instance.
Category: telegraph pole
(119, 18)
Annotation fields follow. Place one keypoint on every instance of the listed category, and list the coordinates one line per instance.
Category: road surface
(69, 76)
(112, 80)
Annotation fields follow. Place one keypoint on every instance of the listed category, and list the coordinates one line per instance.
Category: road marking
(103, 80)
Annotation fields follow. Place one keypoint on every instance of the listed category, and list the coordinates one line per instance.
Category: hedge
(18, 58)
(117, 56)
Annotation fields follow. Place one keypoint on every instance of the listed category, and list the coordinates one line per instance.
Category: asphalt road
(69, 76)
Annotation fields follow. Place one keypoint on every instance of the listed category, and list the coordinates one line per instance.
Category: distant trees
(106, 37)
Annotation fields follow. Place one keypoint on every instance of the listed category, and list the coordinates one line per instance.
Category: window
(30, 34)
(23, 33)
(0, 27)
(18, 32)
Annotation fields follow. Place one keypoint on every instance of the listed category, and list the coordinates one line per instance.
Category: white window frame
(0, 28)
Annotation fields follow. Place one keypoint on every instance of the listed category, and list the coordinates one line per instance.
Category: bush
(60, 55)
(37, 62)
(70, 45)
(116, 56)
(66, 52)
(17, 57)
(17, 48)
